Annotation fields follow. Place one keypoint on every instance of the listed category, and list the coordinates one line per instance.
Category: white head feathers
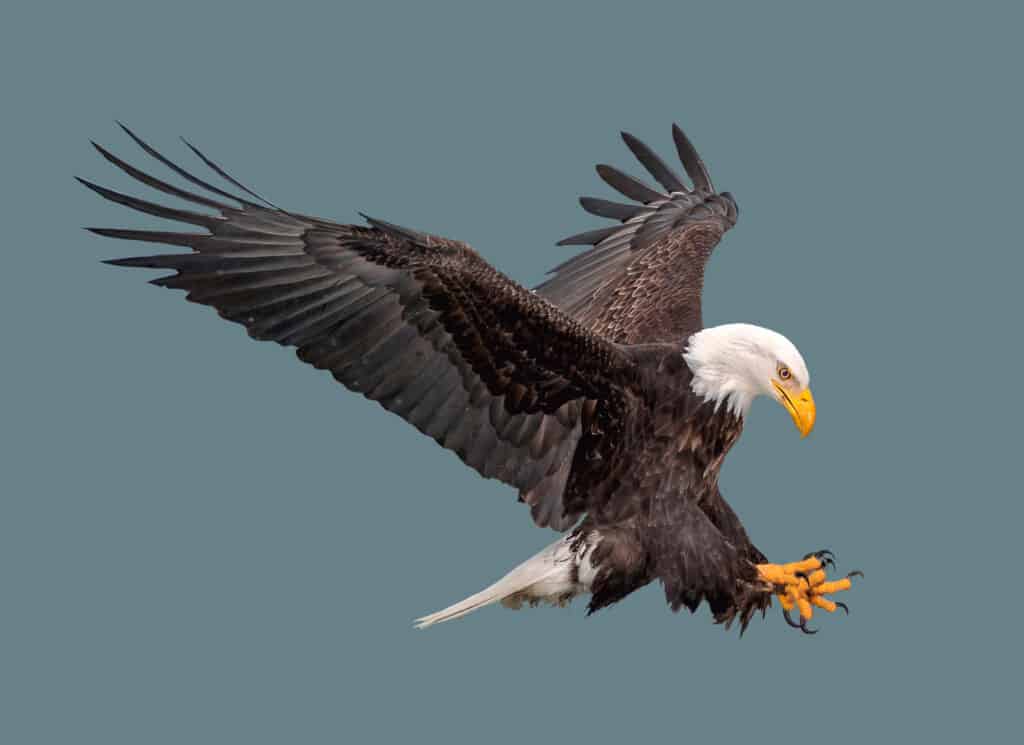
(734, 363)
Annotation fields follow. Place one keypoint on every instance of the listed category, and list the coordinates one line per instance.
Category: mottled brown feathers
(418, 323)
(642, 280)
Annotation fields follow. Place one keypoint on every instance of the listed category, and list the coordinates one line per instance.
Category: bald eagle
(599, 396)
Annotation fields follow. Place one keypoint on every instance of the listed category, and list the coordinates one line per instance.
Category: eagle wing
(418, 323)
(642, 280)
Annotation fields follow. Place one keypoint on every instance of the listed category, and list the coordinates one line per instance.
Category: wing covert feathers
(418, 323)
(642, 280)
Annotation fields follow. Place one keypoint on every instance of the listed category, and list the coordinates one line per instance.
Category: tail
(555, 575)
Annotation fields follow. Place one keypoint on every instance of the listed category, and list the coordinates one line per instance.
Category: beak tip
(800, 408)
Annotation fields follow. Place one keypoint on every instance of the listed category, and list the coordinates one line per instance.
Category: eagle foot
(804, 585)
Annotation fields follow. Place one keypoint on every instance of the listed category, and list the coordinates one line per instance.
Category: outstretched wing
(418, 323)
(642, 280)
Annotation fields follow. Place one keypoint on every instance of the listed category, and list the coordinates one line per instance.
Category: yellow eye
(784, 373)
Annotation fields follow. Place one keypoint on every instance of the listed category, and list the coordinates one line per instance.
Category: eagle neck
(714, 384)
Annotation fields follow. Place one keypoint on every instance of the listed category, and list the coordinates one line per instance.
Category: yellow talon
(792, 573)
(774, 574)
(837, 586)
(803, 585)
(804, 606)
(816, 578)
(810, 564)
(825, 603)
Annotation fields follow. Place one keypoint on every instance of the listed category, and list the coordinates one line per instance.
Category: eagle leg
(804, 585)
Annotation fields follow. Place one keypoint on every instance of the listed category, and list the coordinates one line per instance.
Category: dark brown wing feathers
(605, 208)
(642, 280)
(692, 162)
(420, 324)
(654, 164)
(627, 185)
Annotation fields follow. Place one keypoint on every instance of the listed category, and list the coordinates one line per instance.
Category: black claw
(803, 628)
(804, 577)
(846, 610)
(826, 557)
(802, 625)
(789, 619)
(855, 573)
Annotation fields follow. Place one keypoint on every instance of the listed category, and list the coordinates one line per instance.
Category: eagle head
(735, 363)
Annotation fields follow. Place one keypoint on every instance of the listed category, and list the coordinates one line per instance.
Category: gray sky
(203, 540)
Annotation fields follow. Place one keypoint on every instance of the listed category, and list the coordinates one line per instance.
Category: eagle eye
(784, 373)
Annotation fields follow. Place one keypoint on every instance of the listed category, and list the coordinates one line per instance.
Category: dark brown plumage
(643, 279)
(577, 394)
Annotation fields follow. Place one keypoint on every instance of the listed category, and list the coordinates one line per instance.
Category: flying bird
(599, 396)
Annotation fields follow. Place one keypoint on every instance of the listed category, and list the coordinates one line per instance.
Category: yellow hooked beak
(800, 407)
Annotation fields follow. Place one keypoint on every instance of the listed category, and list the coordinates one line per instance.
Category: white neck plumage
(735, 363)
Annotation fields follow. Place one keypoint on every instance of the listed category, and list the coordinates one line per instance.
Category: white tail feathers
(555, 575)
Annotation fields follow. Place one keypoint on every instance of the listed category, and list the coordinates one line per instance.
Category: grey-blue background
(204, 541)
